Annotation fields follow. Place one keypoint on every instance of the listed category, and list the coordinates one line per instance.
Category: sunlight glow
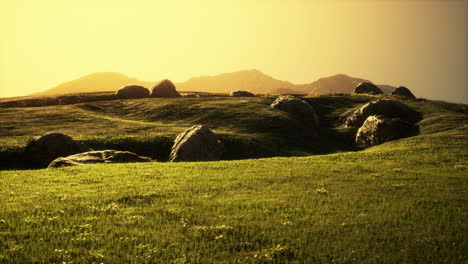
(420, 44)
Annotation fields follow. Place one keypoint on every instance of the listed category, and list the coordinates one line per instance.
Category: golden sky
(418, 44)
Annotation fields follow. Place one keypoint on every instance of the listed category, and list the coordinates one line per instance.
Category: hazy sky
(419, 44)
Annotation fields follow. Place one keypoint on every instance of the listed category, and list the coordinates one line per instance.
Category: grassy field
(404, 201)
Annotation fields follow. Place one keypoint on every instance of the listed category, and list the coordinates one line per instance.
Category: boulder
(296, 107)
(98, 157)
(40, 151)
(132, 91)
(164, 88)
(197, 143)
(379, 129)
(241, 94)
(403, 91)
(387, 108)
(367, 88)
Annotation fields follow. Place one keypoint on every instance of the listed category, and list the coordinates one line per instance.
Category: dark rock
(98, 157)
(132, 91)
(403, 91)
(367, 88)
(387, 108)
(197, 143)
(164, 88)
(41, 150)
(241, 94)
(379, 129)
(296, 107)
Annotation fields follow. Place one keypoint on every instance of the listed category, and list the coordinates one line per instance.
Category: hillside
(404, 201)
(339, 83)
(251, 80)
(248, 126)
(95, 82)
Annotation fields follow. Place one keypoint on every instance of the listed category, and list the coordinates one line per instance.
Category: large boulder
(132, 91)
(241, 94)
(379, 129)
(387, 108)
(97, 157)
(403, 91)
(197, 143)
(296, 107)
(164, 88)
(40, 151)
(367, 88)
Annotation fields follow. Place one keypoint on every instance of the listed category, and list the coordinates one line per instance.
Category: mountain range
(253, 81)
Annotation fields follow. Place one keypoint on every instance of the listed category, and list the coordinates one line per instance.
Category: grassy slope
(403, 201)
(248, 126)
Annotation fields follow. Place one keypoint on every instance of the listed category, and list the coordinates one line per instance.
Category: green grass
(400, 202)
(249, 127)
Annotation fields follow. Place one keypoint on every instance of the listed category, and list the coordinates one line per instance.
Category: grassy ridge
(248, 126)
(400, 202)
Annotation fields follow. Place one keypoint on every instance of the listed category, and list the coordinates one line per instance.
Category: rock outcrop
(386, 108)
(296, 107)
(40, 151)
(379, 129)
(164, 88)
(197, 143)
(98, 157)
(367, 88)
(132, 91)
(241, 94)
(403, 91)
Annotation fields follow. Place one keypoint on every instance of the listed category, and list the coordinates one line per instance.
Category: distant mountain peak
(94, 82)
(340, 75)
(251, 80)
(338, 83)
